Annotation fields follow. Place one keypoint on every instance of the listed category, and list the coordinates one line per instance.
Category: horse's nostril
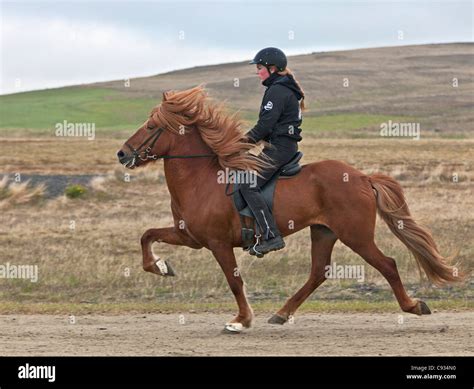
(120, 154)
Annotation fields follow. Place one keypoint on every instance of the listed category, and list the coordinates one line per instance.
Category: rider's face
(262, 72)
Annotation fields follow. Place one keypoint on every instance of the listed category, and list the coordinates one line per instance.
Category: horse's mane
(221, 131)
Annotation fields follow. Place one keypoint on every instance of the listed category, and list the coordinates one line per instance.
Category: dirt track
(310, 334)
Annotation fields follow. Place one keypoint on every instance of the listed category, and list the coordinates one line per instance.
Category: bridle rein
(145, 154)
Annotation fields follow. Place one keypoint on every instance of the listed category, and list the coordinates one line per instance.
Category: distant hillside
(401, 83)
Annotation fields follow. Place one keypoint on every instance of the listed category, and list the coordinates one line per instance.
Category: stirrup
(253, 250)
(275, 248)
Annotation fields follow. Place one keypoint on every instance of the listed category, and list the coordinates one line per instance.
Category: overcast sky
(57, 43)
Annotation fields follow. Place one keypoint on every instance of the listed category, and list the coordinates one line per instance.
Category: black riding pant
(281, 151)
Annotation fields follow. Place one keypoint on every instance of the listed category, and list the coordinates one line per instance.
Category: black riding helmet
(270, 56)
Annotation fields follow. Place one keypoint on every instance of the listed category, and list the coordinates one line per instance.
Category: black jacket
(280, 113)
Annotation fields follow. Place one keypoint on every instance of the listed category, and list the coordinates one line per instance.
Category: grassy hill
(410, 83)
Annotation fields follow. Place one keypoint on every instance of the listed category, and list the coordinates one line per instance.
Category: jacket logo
(268, 106)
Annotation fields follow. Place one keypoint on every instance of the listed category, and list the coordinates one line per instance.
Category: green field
(111, 110)
(40, 111)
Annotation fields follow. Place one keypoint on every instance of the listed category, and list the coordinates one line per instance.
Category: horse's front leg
(226, 258)
(168, 235)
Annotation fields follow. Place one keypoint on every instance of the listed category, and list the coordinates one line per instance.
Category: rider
(279, 125)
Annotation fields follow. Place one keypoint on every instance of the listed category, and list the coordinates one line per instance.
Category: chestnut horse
(197, 139)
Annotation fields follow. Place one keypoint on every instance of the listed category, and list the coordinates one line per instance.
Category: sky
(57, 43)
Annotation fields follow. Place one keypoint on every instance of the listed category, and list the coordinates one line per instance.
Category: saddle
(292, 168)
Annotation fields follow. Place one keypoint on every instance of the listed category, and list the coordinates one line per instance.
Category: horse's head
(150, 142)
(210, 132)
(177, 114)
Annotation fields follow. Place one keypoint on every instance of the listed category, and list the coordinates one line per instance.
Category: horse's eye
(150, 125)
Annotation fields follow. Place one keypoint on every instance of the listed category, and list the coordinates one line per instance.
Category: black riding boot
(271, 238)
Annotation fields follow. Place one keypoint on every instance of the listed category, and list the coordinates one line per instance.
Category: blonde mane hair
(222, 132)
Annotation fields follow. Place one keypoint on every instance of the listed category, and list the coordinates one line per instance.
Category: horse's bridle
(145, 154)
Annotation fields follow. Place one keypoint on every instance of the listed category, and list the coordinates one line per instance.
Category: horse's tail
(393, 209)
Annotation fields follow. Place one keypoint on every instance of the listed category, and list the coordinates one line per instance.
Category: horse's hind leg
(387, 266)
(322, 243)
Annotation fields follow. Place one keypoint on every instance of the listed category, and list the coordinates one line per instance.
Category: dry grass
(58, 156)
(19, 193)
(75, 156)
(99, 261)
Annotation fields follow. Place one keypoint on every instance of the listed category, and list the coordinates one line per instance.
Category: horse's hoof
(233, 328)
(277, 319)
(164, 267)
(171, 272)
(424, 308)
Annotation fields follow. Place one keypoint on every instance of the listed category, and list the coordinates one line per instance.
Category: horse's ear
(164, 96)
